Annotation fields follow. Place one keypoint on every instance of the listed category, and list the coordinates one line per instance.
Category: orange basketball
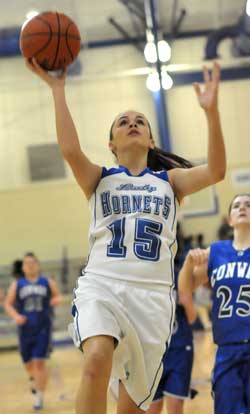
(52, 38)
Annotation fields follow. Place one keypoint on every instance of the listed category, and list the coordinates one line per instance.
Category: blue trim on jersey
(163, 175)
(77, 325)
(111, 171)
(172, 314)
(126, 170)
(174, 213)
(150, 392)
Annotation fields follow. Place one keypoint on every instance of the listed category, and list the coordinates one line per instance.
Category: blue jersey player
(177, 361)
(124, 299)
(29, 302)
(226, 265)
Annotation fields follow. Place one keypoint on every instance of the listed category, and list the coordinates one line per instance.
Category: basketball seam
(67, 44)
(58, 42)
(50, 36)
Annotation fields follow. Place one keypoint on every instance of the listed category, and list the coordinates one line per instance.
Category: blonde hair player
(128, 279)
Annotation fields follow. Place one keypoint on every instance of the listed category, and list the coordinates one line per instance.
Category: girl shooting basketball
(128, 279)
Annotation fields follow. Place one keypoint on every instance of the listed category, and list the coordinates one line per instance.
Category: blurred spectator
(200, 241)
(224, 232)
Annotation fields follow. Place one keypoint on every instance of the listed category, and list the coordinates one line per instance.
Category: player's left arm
(187, 181)
(186, 300)
(1, 296)
(56, 297)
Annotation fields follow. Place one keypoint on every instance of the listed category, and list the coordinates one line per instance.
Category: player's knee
(96, 365)
(39, 365)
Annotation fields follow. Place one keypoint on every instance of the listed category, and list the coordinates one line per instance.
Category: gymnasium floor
(65, 372)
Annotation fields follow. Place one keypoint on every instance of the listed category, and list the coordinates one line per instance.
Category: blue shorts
(38, 346)
(176, 376)
(231, 379)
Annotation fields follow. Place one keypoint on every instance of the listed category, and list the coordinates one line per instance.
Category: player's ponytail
(159, 159)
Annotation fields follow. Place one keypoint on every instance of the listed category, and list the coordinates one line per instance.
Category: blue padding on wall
(197, 76)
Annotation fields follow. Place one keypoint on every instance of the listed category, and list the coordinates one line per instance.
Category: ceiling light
(164, 51)
(153, 82)
(150, 52)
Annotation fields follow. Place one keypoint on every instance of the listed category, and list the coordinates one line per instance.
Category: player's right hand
(198, 257)
(20, 320)
(52, 81)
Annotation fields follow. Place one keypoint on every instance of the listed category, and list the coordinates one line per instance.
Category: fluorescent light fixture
(153, 82)
(150, 52)
(248, 8)
(166, 80)
(164, 51)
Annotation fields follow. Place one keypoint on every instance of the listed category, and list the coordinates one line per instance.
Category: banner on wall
(241, 177)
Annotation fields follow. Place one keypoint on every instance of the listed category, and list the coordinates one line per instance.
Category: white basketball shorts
(139, 316)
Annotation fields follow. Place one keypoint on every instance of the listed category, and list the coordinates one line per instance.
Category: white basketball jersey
(133, 228)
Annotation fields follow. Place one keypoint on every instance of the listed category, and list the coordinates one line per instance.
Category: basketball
(52, 38)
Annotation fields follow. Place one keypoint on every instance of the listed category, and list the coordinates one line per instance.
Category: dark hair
(31, 254)
(158, 159)
(17, 269)
(237, 195)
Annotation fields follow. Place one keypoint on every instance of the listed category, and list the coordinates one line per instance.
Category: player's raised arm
(193, 272)
(187, 181)
(86, 173)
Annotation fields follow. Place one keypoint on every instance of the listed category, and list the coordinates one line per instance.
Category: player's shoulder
(21, 281)
(43, 279)
(221, 245)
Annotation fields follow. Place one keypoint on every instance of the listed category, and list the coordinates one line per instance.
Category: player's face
(240, 211)
(30, 266)
(130, 130)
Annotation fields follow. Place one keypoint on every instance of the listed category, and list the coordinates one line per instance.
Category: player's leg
(25, 348)
(40, 351)
(125, 404)
(177, 385)
(174, 405)
(40, 374)
(30, 371)
(156, 406)
(96, 370)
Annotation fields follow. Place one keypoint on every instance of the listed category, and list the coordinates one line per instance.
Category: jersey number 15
(146, 244)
